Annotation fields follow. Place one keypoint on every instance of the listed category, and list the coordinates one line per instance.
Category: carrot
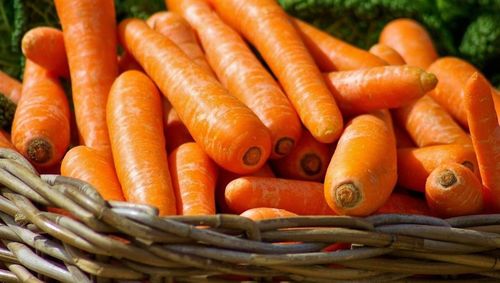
(362, 172)
(45, 47)
(268, 28)
(89, 30)
(362, 91)
(411, 40)
(194, 176)
(415, 164)
(401, 203)
(175, 131)
(91, 166)
(496, 99)
(10, 87)
(126, 62)
(262, 213)
(429, 124)
(307, 161)
(453, 190)
(485, 132)
(243, 75)
(135, 125)
(332, 54)
(403, 140)
(40, 130)
(300, 197)
(386, 53)
(5, 140)
(226, 129)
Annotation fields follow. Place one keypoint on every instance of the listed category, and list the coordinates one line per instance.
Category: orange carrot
(403, 140)
(135, 127)
(89, 30)
(89, 165)
(415, 164)
(259, 21)
(5, 140)
(362, 91)
(453, 190)
(300, 197)
(485, 133)
(307, 161)
(243, 75)
(400, 203)
(362, 171)
(262, 213)
(45, 47)
(226, 129)
(126, 62)
(193, 175)
(10, 87)
(175, 131)
(40, 130)
(496, 99)
(429, 124)
(386, 53)
(332, 54)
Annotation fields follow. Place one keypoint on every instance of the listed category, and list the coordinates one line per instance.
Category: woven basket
(120, 242)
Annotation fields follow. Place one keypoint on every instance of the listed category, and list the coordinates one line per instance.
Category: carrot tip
(284, 146)
(252, 156)
(347, 195)
(447, 178)
(428, 81)
(39, 150)
(311, 164)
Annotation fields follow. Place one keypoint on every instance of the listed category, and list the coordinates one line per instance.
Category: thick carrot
(91, 166)
(5, 140)
(135, 127)
(45, 47)
(411, 40)
(262, 213)
(243, 75)
(89, 30)
(362, 91)
(194, 176)
(453, 190)
(40, 130)
(415, 164)
(300, 197)
(429, 124)
(126, 62)
(496, 100)
(10, 87)
(332, 54)
(362, 171)
(485, 133)
(403, 140)
(175, 131)
(400, 203)
(307, 161)
(227, 130)
(269, 29)
(386, 53)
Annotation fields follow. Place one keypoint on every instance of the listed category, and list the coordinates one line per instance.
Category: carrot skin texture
(5, 140)
(10, 87)
(175, 131)
(386, 53)
(89, 165)
(134, 116)
(262, 213)
(400, 203)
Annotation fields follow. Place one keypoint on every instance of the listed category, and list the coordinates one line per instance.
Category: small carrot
(135, 126)
(262, 213)
(194, 176)
(40, 130)
(91, 166)
(126, 62)
(259, 21)
(227, 130)
(5, 140)
(386, 53)
(362, 171)
(362, 91)
(400, 203)
(175, 131)
(10, 87)
(485, 132)
(411, 40)
(429, 124)
(453, 190)
(332, 54)
(403, 140)
(300, 197)
(415, 164)
(45, 47)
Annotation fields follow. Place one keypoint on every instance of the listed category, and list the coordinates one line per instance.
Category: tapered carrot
(40, 130)
(194, 176)
(10, 87)
(126, 62)
(411, 40)
(242, 74)
(362, 172)
(429, 124)
(400, 203)
(485, 133)
(227, 130)
(403, 140)
(415, 164)
(134, 116)
(362, 91)
(300, 197)
(259, 21)
(453, 190)
(386, 53)
(332, 54)
(89, 29)
(91, 166)
(45, 47)
(5, 140)
(262, 213)
(175, 131)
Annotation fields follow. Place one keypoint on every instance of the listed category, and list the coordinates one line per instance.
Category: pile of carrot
(189, 119)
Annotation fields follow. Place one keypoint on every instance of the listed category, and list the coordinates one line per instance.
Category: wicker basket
(120, 242)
